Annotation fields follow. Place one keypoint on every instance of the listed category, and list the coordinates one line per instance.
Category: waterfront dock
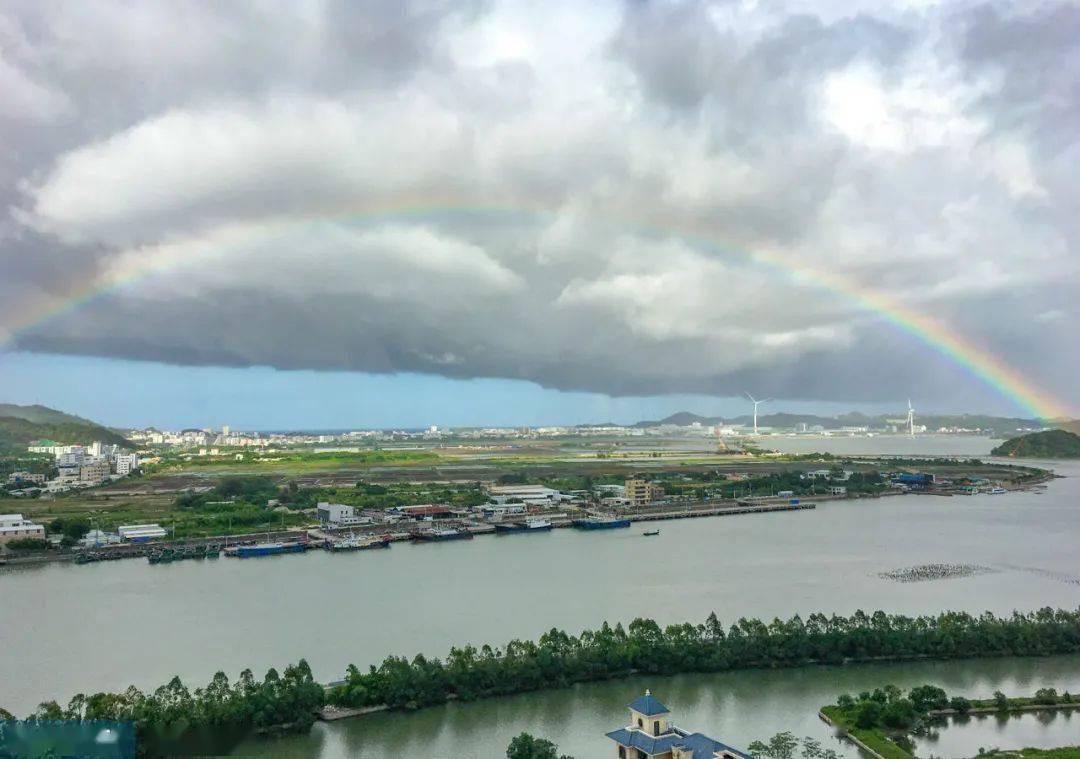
(718, 511)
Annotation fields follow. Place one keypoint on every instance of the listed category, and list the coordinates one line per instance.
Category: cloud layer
(569, 194)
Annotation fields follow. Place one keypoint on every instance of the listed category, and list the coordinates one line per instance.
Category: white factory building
(339, 515)
(14, 527)
(140, 533)
(533, 495)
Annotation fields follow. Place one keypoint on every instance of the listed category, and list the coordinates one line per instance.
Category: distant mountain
(22, 425)
(1069, 425)
(1051, 444)
(682, 419)
(781, 419)
(41, 414)
(996, 424)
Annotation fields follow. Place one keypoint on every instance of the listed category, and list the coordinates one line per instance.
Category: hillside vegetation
(40, 414)
(1051, 444)
(21, 425)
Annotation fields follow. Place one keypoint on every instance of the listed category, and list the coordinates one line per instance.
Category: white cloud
(535, 191)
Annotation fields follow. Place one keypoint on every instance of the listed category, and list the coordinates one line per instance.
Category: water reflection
(966, 736)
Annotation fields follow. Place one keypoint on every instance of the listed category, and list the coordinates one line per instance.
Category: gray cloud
(631, 199)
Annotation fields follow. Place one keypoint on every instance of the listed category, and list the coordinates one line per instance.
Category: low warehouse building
(140, 533)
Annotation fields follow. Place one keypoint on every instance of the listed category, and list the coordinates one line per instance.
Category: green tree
(72, 528)
(780, 746)
(927, 698)
(27, 544)
(960, 704)
(786, 746)
(1046, 696)
(526, 746)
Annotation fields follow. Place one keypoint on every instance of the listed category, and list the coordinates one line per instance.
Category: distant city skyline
(140, 394)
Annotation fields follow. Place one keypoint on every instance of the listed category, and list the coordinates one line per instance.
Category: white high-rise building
(225, 430)
(126, 463)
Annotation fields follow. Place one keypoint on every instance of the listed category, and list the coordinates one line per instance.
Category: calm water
(67, 629)
(964, 736)
(736, 707)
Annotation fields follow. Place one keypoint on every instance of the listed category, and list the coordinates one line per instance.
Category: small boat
(359, 543)
(650, 533)
(998, 491)
(266, 549)
(601, 523)
(436, 535)
(529, 525)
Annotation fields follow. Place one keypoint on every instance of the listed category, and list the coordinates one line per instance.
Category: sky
(339, 214)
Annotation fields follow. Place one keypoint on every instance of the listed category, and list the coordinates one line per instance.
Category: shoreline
(689, 510)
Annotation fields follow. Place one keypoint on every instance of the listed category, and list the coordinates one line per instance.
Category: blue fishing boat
(439, 535)
(601, 523)
(266, 549)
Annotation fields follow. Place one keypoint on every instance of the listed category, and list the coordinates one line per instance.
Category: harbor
(381, 536)
(437, 524)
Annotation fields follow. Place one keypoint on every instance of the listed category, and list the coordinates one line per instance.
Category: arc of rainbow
(986, 367)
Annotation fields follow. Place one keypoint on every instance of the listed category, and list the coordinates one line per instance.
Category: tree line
(559, 659)
(172, 719)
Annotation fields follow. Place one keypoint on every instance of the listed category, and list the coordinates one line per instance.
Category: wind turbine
(910, 418)
(756, 403)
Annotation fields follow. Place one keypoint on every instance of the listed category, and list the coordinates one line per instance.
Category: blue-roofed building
(652, 735)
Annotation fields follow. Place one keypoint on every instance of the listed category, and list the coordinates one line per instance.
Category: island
(1049, 444)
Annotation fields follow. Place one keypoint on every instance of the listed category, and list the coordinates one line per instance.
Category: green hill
(41, 415)
(1051, 444)
(22, 425)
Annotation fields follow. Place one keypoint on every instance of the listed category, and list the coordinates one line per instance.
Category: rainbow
(937, 336)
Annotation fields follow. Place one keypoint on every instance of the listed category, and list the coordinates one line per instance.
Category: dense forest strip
(558, 659)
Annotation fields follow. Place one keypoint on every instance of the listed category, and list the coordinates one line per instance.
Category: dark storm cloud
(302, 186)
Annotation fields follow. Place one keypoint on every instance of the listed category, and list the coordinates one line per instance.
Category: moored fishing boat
(359, 543)
(266, 549)
(529, 525)
(436, 535)
(601, 523)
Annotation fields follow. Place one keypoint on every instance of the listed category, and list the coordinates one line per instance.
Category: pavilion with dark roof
(652, 735)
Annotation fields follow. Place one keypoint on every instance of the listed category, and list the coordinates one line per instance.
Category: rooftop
(645, 742)
(649, 705)
(427, 508)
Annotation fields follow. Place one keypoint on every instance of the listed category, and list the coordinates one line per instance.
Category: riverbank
(657, 512)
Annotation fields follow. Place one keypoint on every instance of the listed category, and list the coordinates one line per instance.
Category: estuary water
(68, 629)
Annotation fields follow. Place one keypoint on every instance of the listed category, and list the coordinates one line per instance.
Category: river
(69, 629)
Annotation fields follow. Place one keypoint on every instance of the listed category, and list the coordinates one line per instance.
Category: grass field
(876, 740)
(108, 513)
